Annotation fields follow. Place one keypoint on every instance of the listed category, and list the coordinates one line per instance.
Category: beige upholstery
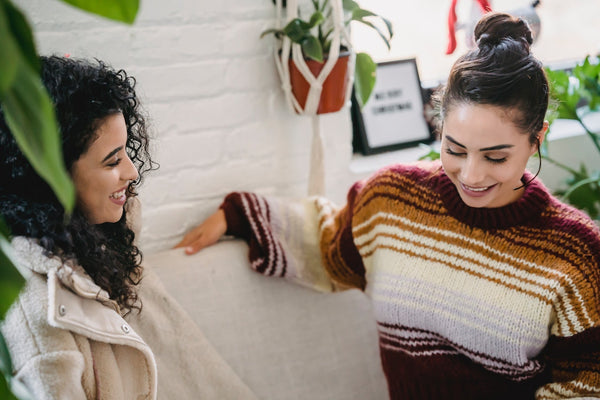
(284, 341)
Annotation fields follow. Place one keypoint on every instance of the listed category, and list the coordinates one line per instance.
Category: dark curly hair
(84, 93)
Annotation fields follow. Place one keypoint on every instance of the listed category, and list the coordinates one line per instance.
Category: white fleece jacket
(68, 341)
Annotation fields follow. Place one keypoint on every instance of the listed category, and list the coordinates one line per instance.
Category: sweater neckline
(528, 207)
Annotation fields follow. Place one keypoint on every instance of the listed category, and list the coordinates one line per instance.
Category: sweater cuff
(237, 222)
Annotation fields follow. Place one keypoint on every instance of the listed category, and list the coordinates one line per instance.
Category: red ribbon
(485, 7)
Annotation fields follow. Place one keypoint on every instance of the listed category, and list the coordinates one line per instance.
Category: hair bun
(493, 28)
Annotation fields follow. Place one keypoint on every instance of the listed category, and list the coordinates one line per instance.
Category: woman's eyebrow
(451, 139)
(498, 147)
(491, 148)
(112, 153)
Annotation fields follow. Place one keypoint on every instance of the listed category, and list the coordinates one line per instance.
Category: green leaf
(349, 5)
(368, 23)
(432, 154)
(11, 280)
(10, 283)
(312, 48)
(22, 33)
(389, 26)
(9, 50)
(588, 74)
(359, 13)
(326, 41)
(316, 19)
(276, 32)
(30, 116)
(583, 192)
(10, 389)
(5, 392)
(297, 30)
(564, 89)
(364, 77)
(118, 10)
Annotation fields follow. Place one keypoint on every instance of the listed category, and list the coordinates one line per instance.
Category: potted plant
(314, 35)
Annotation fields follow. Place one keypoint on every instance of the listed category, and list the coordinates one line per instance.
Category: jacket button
(125, 328)
(62, 310)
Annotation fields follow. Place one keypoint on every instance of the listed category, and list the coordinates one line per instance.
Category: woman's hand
(205, 234)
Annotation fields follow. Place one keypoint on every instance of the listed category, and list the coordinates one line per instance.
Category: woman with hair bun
(483, 285)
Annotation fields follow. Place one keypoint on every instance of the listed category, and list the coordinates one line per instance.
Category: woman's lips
(476, 191)
(119, 197)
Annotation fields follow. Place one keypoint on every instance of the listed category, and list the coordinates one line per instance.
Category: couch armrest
(284, 341)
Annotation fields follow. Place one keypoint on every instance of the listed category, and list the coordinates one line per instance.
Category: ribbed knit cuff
(237, 222)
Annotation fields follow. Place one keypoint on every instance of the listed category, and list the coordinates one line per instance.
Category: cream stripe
(325, 213)
(442, 313)
(398, 233)
(565, 392)
(459, 262)
(445, 233)
(487, 315)
(489, 273)
(422, 353)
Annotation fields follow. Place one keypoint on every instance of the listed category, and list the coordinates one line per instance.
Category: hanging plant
(314, 35)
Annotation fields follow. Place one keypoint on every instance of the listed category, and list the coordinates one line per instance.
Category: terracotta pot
(333, 95)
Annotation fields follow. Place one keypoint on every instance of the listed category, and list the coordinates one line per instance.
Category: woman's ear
(543, 131)
(540, 137)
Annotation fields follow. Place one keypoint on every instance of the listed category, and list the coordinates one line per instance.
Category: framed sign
(394, 116)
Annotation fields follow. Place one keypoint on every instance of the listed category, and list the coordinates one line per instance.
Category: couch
(284, 341)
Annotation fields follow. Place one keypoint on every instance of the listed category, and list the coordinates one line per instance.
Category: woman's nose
(130, 171)
(472, 172)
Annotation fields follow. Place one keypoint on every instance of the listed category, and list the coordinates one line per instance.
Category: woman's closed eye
(496, 160)
(454, 153)
(490, 158)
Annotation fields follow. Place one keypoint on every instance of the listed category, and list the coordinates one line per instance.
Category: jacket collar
(32, 257)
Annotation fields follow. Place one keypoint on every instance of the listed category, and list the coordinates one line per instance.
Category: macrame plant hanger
(316, 180)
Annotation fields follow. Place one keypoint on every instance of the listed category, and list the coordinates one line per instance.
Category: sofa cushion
(284, 341)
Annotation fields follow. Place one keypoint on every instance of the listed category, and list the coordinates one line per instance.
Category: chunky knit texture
(471, 303)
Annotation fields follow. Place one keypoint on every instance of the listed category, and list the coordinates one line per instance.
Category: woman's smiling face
(484, 154)
(102, 174)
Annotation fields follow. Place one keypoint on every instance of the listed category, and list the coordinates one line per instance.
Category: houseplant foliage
(30, 116)
(313, 34)
(577, 93)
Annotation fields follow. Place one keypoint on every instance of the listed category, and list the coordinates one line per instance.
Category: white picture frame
(394, 117)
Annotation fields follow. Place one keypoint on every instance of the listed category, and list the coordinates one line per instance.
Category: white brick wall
(217, 113)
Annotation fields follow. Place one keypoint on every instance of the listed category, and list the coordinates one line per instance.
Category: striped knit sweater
(470, 303)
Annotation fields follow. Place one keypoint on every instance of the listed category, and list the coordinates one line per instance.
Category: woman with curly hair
(66, 332)
(72, 333)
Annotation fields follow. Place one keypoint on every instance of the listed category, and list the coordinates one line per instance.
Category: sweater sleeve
(574, 367)
(308, 241)
(573, 349)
